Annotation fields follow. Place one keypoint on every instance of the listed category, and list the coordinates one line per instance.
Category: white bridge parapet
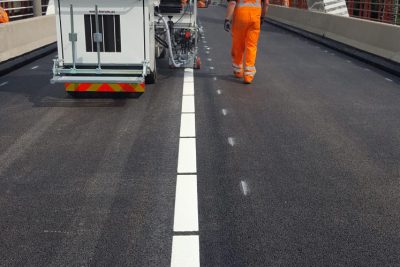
(373, 37)
(23, 36)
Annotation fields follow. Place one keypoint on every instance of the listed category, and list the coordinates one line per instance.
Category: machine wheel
(73, 94)
(152, 76)
(197, 63)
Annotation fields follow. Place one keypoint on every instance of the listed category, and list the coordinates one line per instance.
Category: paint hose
(171, 55)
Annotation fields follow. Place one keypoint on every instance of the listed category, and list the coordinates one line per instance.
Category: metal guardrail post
(37, 8)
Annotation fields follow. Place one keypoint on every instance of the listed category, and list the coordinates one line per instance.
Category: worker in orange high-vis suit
(3, 16)
(244, 18)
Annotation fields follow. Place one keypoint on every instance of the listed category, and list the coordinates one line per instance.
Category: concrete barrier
(24, 36)
(372, 37)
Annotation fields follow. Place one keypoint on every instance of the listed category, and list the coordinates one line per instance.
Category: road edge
(17, 62)
(374, 60)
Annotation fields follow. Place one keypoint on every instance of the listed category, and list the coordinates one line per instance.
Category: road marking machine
(112, 46)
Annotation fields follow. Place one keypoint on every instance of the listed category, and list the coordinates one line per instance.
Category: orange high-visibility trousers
(245, 34)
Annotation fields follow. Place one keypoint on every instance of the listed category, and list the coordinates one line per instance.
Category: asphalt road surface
(300, 168)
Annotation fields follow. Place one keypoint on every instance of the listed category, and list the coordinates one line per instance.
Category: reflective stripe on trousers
(237, 68)
(250, 70)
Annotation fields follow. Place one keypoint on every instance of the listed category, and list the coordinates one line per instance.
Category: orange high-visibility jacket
(3, 16)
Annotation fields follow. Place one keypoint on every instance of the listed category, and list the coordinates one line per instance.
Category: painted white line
(219, 92)
(34, 67)
(188, 83)
(188, 89)
(224, 112)
(207, 52)
(389, 80)
(3, 84)
(366, 69)
(186, 207)
(187, 162)
(231, 141)
(186, 248)
(244, 187)
(188, 125)
(348, 61)
(325, 51)
(209, 59)
(215, 78)
(208, 48)
(188, 104)
(211, 68)
(185, 251)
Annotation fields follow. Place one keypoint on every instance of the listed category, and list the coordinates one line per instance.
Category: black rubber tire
(197, 63)
(72, 94)
(151, 78)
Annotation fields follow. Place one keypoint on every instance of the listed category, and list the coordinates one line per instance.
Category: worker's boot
(238, 74)
(248, 79)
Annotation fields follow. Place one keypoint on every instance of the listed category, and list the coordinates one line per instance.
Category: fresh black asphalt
(91, 181)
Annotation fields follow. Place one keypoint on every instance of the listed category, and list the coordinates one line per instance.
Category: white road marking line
(366, 69)
(215, 78)
(185, 251)
(244, 187)
(188, 89)
(209, 59)
(188, 104)
(188, 83)
(34, 68)
(224, 112)
(211, 68)
(219, 92)
(389, 80)
(207, 52)
(325, 51)
(208, 48)
(3, 84)
(186, 206)
(231, 141)
(188, 125)
(187, 156)
(348, 61)
(186, 248)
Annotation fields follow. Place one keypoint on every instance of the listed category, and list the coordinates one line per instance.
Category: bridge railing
(386, 11)
(22, 9)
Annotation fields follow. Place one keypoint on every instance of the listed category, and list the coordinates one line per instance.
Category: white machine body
(126, 23)
(122, 29)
